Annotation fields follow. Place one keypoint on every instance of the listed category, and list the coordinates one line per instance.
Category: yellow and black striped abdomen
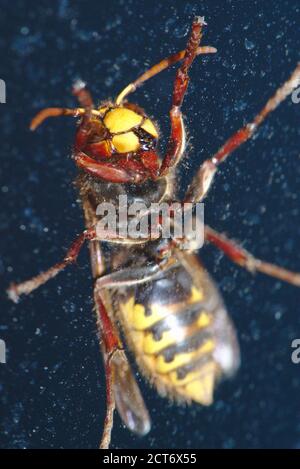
(181, 334)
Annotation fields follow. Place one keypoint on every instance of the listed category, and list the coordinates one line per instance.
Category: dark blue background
(52, 387)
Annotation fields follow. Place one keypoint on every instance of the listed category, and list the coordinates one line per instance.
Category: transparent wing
(129, 401)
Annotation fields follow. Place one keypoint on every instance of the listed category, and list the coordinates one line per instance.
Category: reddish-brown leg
(125, 170)
(110, 344)
(110, 405)
(177, 138)
(203, 179)
(54, 112)
(83, 95)
(24, 288)
(122, 390)
(157, 68)
(243, 258)
(85, 100)
(120, 382)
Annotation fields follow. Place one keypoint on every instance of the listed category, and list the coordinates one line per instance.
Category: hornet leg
(243, 258)
(204, 177)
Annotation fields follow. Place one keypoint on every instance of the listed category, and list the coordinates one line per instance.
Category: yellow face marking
(125, 143)
(201, 389)
(121, 119)
(150, 128)
(181, 359)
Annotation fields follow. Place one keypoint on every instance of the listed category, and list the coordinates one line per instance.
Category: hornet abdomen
(180, 332)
